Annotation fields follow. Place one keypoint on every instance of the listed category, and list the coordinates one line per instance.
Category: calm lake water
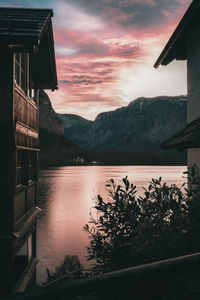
(66, 196)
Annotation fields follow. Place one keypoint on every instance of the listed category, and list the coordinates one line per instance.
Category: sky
(106, 49)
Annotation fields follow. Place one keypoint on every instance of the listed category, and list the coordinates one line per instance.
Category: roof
(176, 46)
(189, 137)
(30, 30)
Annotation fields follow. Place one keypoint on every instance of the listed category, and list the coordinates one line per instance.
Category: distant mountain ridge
(70, 120)
(141, 126)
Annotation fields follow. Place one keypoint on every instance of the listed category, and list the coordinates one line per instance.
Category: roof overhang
(176, 46)
(30, 30)
(44, 63)
(189, 137)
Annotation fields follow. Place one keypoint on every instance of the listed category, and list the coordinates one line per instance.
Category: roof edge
(177, 32)
(29, 9)
(180, 141)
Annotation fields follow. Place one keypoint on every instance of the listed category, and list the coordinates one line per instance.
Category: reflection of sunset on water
(66, 196)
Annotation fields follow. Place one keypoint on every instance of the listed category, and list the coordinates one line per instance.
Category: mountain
(48, 119)
(55, 148)
(141, 126)
(70, 120)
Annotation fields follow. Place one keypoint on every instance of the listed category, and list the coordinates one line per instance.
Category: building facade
(184, 44)
(27, 63)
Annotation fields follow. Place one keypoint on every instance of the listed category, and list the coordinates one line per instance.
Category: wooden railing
(146, 278)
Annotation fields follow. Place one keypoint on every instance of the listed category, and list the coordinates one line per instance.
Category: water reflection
(65, 195)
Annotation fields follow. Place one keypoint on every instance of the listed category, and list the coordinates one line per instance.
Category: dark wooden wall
(26, 126)
(7, 163)
(19, 130)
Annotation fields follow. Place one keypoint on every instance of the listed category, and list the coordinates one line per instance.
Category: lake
(66, 196)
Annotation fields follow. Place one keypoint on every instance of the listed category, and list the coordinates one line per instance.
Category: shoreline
(108, 165)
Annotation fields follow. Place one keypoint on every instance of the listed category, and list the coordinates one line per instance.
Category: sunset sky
(105, 51)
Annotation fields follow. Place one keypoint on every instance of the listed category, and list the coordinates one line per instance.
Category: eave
(189, 137)
(176, 46)
(30, 30)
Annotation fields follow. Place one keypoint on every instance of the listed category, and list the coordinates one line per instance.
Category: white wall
(194, 157)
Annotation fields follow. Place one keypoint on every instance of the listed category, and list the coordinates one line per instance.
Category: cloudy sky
(105, 51)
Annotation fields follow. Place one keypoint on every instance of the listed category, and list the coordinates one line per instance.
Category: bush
(131, 230)
(128, 230)
(70, 267)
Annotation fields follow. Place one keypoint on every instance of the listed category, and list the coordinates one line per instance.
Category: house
(189, 137)
(27, 61)
(184, 44)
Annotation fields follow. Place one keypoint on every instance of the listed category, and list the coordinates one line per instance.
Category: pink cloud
(97, 40)
(87, 45)
(89, 61)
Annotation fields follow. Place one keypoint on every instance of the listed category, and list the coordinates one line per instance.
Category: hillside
(48, 119)
(141, 126)
(55, 148)
(70, 120)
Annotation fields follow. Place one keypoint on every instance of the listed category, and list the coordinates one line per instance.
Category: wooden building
(27, 64)
(184, 44)
(189, 137)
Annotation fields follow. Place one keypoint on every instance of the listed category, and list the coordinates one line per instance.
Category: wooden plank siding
(25, 110)
(26, 126)
(26, 141)
(25, 136)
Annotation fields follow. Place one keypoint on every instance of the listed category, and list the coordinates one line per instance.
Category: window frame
(21, 71)
(26, 167)
(31, 89)
(32, 166)
(21, 168)
(23, 76)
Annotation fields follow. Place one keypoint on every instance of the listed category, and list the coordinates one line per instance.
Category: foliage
(70, 267)
(164, 222)
(131, 230)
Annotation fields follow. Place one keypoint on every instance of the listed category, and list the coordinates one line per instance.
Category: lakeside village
(79, 161)
(150, 242)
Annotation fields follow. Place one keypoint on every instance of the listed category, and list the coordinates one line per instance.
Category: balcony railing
(134, 281)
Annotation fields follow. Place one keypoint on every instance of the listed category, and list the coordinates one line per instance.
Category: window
(21, 167)
(17, 68)
(30, 247)
(32, 167)
(31, 91)
(26, 171)
(21, 70)
(24, 75)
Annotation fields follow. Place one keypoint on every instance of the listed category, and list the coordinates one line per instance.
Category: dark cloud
(64, 81)
(85, 68)
(142, 13)
(85, 80)
(82, 81)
